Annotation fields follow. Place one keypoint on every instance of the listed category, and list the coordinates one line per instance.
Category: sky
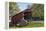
(23, 6)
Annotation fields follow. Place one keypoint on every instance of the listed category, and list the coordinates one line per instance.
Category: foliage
(13, 8)
(38, 10)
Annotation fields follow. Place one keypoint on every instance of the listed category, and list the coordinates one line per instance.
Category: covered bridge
(22, 17)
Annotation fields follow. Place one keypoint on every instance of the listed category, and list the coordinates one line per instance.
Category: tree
(13, 9)
(38, 10)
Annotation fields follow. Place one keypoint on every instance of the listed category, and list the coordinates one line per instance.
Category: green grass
(32, 24)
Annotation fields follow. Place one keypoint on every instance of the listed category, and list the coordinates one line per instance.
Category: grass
(33, 24)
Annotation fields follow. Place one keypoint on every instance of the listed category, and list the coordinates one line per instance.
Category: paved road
(38, 21)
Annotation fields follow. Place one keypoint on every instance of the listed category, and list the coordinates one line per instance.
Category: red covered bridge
(21, 17)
